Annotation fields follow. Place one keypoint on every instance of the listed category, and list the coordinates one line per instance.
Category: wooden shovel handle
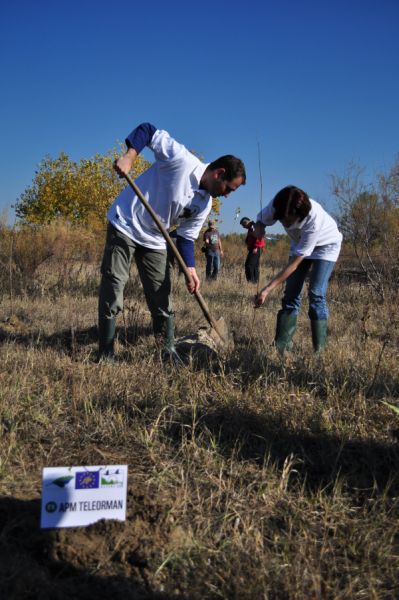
(178, 256)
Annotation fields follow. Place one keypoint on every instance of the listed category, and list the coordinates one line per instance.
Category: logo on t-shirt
(214, 238)
(190, 211)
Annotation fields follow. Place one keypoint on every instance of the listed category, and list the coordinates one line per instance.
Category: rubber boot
(106, 337)
(319, 335)
(164, 332)
(286, 326)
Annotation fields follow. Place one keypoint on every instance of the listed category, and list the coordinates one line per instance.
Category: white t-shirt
(171, 186)
(317, 236)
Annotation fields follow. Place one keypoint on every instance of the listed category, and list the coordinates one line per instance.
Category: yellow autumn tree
(78, 192)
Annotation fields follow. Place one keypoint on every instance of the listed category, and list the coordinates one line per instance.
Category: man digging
(179, 187)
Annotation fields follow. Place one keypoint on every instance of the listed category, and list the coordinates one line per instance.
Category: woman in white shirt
(315, 247)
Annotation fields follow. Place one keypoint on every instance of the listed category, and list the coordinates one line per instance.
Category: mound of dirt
(204, 347)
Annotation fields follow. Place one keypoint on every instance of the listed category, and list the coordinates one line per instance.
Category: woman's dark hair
(291, 201)
(233, 165)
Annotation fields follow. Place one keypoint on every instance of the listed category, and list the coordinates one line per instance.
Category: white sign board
(79, 496)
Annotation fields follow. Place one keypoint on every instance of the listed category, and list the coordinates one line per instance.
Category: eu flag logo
(86, 480)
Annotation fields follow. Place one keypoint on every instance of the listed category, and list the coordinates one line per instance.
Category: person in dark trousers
(315, 247)
(213, 251)
(255, 248)
(180, 188)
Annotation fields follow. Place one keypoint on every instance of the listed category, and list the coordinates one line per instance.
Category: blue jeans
(320, 274)
(212, 264)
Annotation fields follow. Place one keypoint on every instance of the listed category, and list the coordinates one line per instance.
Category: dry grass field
(251, 478)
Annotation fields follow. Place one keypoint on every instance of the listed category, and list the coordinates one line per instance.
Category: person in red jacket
(255, 246)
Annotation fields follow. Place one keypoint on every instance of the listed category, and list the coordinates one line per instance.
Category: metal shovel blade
(219, 333)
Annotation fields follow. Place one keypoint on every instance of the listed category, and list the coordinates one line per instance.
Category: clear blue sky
(315, 83)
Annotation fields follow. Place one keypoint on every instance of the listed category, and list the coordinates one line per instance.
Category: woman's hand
(293, 264)
(261, 297)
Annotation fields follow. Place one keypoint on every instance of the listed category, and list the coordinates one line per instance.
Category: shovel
(219, 326)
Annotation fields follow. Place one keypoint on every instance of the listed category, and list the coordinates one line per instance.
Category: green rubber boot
(319, 335)
(164, 332)
(286, 326)
(106, 337)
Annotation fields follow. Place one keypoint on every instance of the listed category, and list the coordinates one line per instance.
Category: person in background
(180, 188)
(255, 246)
(213, 251)
(315, 247)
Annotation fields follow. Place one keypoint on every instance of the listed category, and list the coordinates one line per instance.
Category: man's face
(219, 186)
(245, 224)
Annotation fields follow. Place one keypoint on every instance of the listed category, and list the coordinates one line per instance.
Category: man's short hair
(291, 201)
(234, 167)
(244, 219)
